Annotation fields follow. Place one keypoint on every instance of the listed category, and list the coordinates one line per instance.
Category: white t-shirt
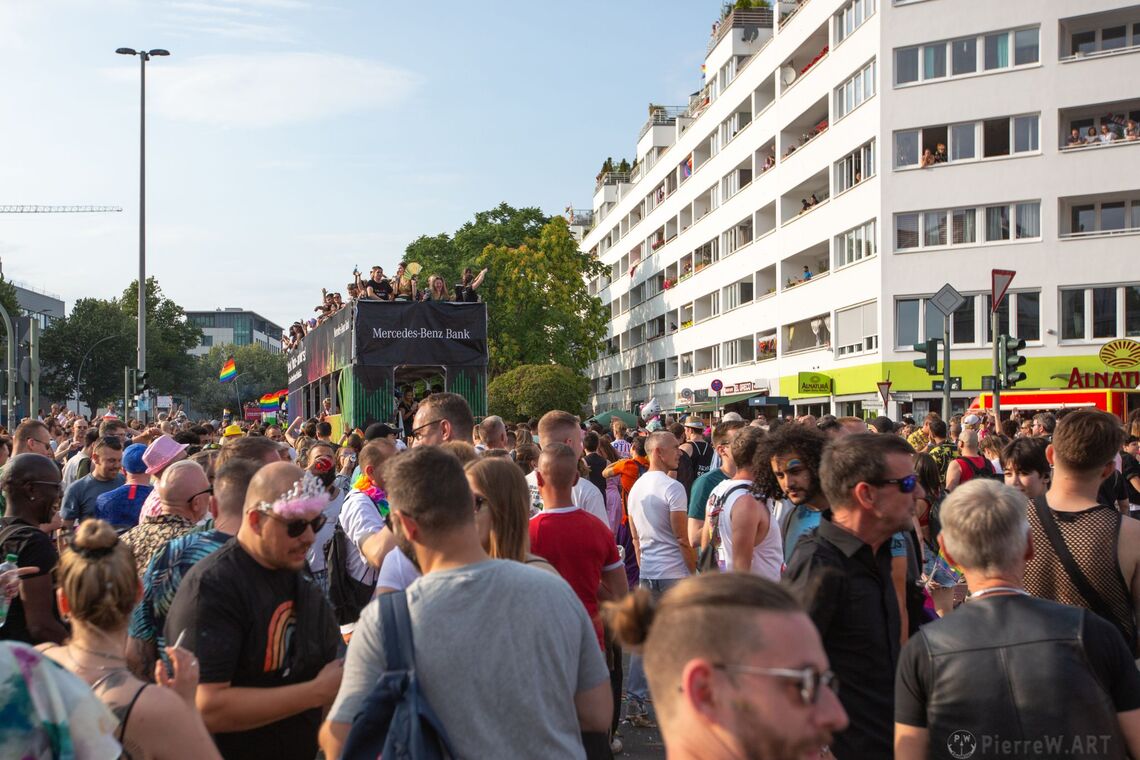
(316, 553)
(768, 555)
(586, 495)
(396, 571)
(653, 497)
(359, 518)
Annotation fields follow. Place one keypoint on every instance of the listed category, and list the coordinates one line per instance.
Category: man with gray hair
(492, 434)
(996, 663)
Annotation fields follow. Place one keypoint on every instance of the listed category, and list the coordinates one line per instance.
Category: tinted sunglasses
(906, 485)
(296, 528)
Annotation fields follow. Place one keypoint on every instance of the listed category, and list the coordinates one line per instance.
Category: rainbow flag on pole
(271, 402)
(228, 371)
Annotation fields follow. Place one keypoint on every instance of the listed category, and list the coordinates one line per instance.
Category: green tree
(10, 303)
(260, 371)
(169, 336)
(439, 255)
(539, 308)
(532, 390)
(66, 342)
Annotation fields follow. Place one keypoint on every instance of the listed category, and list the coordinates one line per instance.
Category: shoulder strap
(11, 529)
(718, 507)
(399, 649)
(127, 713)
(1049, 524)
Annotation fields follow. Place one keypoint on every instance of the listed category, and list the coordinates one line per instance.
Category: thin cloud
(273, 89)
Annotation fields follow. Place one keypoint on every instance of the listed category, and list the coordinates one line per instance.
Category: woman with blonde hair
(98, 588)
(437, 290)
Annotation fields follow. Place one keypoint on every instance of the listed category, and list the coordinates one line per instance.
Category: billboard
(430, 333)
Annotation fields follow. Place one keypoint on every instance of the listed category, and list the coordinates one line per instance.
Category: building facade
(783, 233)
(234, 326)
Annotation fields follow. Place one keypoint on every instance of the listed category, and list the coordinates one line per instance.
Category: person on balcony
(1075, 140)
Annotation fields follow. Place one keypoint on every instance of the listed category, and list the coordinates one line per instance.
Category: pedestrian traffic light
(141, 383)
(930, 361)
(1009, 360)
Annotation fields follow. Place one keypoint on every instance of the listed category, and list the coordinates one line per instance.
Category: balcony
(1096, 216)
(789, 9)
(1097, 35)
(739, 293)
(805, 197)
(765, 220)
(611, 178)
(764, 95)
(737, 236)
(739, 351)
(765, 345)
(661, 116)
(806, 266)
(755, 25)
(1095, 127)
(766, 280)
(812, 334)
(805, 58)
(809, 125)
(736, 180)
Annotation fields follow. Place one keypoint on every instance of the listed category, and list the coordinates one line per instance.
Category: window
(857, 329)
(997, 223)
(851, 16)
(906, 65)
(964, 226)
(933, 228)
(1111, 216)
(959, 141)
(855, 167)
(1114, 310)
(907, 321)
(855, 244)
(1028, 315)
(962, 139)
(906, 231)
(1083, 43)
(963, 324)
(995, 136)
(1025, 47)
(1025, 137)
(997, 51)
(1105, 217)
(207, 341)
(965, 56)
(1113, 38)
(906, 148)
(934, 61)
(1028, 220)
(1083, 218)
(848, 96)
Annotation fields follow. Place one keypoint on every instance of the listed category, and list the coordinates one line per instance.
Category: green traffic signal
(930, 361)
(1009, 360)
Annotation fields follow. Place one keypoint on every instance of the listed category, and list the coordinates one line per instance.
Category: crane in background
(33, 386)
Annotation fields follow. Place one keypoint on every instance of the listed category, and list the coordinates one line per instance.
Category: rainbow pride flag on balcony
(228, 371)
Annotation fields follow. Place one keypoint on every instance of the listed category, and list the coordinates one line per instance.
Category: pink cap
(161, 453)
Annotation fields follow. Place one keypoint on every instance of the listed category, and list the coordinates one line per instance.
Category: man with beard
(841, 572)
(736, 669)
(793, 453)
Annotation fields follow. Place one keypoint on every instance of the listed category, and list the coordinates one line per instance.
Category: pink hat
(161, 453)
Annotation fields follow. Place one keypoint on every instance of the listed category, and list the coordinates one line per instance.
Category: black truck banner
(428, 333)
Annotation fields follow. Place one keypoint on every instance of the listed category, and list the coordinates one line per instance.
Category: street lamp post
(144, 56)
(79, 374)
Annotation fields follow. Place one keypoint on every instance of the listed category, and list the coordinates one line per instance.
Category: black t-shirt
(258, 628)
(1112, 489)
(33, 548)
(383, 288)
(1130, 468)
(466, 293)
(597, 463)
(407, 415)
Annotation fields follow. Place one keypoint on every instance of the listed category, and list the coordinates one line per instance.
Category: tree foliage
(169, 336)
(260, 371)
(76, 344)
(539, 308)
(9, 301)
(532, 390)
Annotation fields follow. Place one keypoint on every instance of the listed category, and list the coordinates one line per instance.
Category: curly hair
(806, 441)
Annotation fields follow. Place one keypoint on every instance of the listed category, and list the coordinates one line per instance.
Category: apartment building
(784, 231)
(233, 326)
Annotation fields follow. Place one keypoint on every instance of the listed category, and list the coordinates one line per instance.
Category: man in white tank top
(749, 538)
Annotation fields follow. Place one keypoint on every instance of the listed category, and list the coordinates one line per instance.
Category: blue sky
(284, 134)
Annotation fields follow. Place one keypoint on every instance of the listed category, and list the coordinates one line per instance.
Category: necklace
(995, 589)
(104, 655)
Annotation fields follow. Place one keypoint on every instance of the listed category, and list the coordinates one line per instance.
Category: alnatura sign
(814, 384)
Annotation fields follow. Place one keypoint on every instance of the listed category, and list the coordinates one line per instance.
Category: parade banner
(428, 333)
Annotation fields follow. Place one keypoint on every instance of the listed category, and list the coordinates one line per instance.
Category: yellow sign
(814, 384)
(1120, 354)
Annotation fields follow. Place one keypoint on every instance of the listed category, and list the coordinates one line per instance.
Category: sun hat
(161, 453)
(694, 422)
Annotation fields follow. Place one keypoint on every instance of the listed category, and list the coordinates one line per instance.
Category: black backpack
(395, 720)
(986, 472)
(347, 595)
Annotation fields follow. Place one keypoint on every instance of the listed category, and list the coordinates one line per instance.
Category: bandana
(306, 496)
(365, 485)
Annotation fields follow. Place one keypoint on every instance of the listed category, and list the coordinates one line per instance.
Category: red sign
(252, 414)
(999, 284)
(1121, 380)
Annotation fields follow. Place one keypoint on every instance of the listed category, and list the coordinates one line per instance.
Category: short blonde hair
(984, 526)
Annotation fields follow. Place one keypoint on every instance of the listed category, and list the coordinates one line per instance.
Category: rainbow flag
(268, 402)
(228, 371)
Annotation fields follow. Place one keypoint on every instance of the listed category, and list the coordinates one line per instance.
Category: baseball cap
(133, 458)
(971, 419)
(378, 430)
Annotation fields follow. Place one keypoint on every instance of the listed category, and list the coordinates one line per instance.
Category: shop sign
(814, 384)
(1117, 355)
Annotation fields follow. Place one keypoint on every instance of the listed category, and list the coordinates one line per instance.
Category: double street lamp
(144, 56)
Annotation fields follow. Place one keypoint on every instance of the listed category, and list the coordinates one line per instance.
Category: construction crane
(57, 209)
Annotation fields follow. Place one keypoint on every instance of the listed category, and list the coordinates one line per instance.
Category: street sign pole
(946, 366)
(999, 284)
(997, 370)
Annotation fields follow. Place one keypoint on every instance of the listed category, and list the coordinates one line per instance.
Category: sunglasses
(195, 496)
(810, 680)
(296, 528)
(416, 431)
(906, 485)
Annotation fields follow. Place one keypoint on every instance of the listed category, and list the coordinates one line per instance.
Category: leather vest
(1014, 669)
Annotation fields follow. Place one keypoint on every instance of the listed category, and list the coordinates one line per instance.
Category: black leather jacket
(1017, 669)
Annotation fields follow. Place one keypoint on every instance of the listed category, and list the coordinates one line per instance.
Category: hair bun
(93, 536)
(632, 617)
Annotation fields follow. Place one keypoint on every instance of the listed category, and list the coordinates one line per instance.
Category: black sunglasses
(906, 485)
(296, 528)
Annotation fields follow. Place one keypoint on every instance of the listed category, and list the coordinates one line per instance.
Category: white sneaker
(615, 745)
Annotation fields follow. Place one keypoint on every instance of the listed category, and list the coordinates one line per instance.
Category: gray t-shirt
(79, 501)
(501, 650)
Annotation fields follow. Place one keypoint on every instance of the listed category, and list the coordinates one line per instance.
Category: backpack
(395, 720)
(707, 560)
(686, 473)
(347, 595)
(986, 472)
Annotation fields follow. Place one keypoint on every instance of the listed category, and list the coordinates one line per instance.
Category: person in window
(1106, 135)
(807, 273)
(927, 158)
(1090, 136)
(940, 154)
(1074, 138)
(1131, 131)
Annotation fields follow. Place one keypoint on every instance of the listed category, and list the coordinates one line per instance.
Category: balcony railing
(793, 7)
(662, 116)
(611, 178)
(740, 18)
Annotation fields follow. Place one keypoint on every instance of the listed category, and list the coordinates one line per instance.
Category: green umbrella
(605, 418)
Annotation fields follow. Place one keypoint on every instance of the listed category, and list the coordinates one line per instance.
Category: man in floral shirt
(186, 494)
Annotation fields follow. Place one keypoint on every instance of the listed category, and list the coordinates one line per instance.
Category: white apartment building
(804, 154)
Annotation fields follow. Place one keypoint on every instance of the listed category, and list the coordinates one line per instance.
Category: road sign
(999, 284)
(988, 382)
(716, 385)
(947, 300)
(687, 394)
(885, 391)
(938, 385)
(902, 398)
(872, 403)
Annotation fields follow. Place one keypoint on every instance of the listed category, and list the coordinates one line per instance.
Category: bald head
(493, 432)
(270, 482)
(23, 484)
(181, 482)
(26, 467)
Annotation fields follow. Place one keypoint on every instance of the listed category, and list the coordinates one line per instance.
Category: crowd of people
(199, 590)
(403, 286)
(1109, 133)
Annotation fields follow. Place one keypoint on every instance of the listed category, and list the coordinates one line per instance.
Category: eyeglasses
(416, 431)
(906, 485)
(50, 483)
(809, 679)
(209, 490)
(296, 528)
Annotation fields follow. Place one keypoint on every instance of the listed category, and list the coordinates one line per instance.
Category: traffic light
(1009, 360)
(930, 361)
(139, 381)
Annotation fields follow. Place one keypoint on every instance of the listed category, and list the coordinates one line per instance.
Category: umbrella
(605, 418)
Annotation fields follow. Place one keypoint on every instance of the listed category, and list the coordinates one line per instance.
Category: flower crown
(306, 496)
